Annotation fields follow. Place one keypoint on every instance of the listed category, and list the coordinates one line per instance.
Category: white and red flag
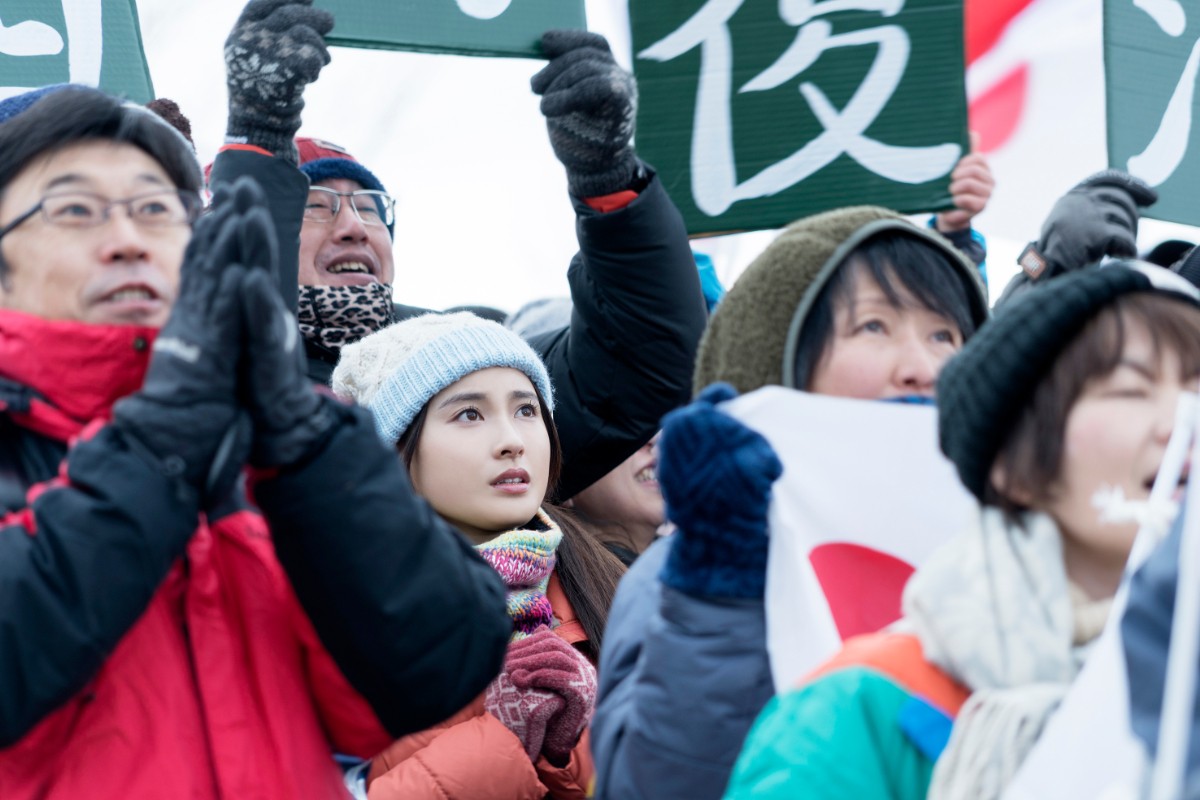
(864, 498)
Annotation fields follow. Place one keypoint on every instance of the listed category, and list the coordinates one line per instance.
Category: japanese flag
(864, 498)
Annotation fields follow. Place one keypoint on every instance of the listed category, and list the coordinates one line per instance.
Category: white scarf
(995, 611)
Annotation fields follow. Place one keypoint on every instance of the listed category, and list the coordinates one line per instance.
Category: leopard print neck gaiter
(334, 316)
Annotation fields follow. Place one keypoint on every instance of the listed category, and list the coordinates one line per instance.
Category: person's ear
(1002, 482)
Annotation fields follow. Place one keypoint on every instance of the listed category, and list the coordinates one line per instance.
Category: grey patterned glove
(590, 104)
(1096, 218)
(276, 48)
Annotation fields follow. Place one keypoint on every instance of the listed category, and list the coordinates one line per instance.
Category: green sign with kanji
(93, 42)
(758, 112)
(466, 27)
(1151, 59)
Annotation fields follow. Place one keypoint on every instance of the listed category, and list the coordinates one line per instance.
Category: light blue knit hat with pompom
(397, 370)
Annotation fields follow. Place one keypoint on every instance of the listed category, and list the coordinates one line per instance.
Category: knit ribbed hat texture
(751, 338)
(983, 390)
(397, 370)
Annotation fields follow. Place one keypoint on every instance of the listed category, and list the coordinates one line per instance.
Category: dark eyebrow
(72, 178)
(462, 397)
(522, 394)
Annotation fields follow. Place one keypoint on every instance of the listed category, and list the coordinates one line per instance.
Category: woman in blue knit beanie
(468, 405)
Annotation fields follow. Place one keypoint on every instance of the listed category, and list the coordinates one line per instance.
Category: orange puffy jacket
(472, 756)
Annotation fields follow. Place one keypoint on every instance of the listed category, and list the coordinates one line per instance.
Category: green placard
(467, 27)
(1151, 56)
(94, 42)
(757, 112)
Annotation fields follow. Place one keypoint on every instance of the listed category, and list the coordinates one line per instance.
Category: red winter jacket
(149, 651)
(221, 689)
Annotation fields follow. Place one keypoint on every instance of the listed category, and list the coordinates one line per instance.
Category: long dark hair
(589, 574)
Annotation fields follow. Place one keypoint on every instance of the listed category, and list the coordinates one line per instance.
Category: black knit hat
(983, 390)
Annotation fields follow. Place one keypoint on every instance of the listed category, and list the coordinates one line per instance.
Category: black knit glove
(291, 421)
(276, 48)
(186, 417)
(1097, 218)
(716, 476)
(589, 103)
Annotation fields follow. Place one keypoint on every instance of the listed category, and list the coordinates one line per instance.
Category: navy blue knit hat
(12, 106)
(323, 161)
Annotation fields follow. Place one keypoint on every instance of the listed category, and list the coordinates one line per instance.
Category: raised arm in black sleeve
(628, 355)
(286, 190)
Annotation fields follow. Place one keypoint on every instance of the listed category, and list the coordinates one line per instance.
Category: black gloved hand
(716, 476)
(1096, 218)
(590, 104)
(291, 420)
(1188, 267)
(186, 417)
(276, 48)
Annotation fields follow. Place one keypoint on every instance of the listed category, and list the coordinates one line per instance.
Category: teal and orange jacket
(870, 723)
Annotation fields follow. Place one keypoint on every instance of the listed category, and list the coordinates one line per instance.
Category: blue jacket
(682, 679)
(1146, 636)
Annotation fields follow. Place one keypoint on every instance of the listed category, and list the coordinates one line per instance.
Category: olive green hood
(752, 337)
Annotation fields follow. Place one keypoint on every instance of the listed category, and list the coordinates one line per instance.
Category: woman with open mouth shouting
(468, 406)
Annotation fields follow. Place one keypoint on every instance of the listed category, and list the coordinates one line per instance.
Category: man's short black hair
(77, 114)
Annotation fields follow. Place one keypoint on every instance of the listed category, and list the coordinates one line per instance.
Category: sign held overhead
(92, 42)
(1151, 64)
(465, 27)
(758, 112)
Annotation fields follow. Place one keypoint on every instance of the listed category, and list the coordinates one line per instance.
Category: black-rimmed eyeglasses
(370, 207)
(87, 210)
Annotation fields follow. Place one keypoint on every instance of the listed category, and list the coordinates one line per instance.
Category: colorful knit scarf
(525, 558)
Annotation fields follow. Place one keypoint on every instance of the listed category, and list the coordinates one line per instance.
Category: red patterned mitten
(546, 662)
(525, 712)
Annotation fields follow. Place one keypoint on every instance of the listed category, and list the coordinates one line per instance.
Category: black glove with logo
(590, 105)
(291, 420)
(186, 417)
(1096, 218)
(276, 48)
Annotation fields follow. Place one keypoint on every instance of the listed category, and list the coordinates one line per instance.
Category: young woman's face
(483, 459)
(878, 351)
(1115, 438)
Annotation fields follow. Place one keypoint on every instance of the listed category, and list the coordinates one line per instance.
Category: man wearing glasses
(160, 636)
